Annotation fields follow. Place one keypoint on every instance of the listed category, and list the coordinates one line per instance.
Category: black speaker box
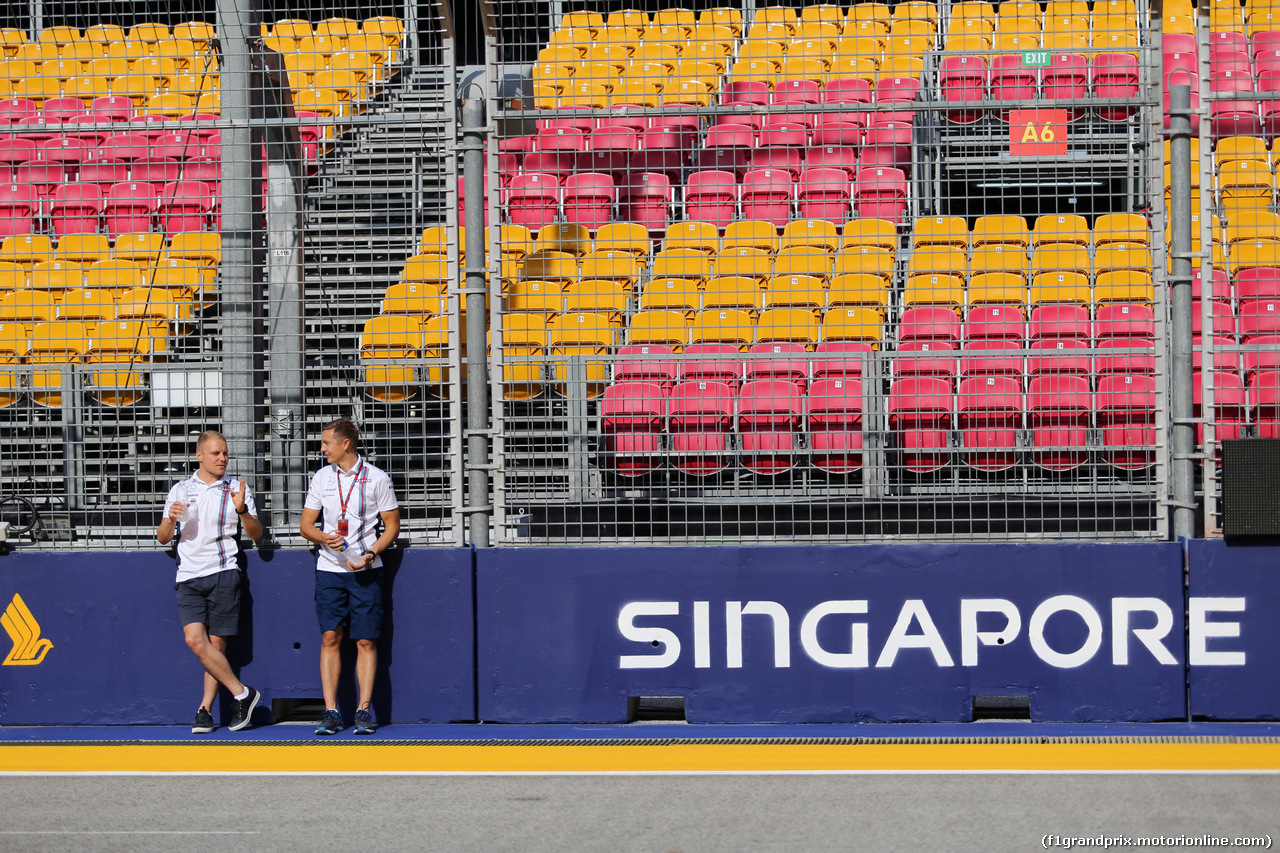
(1251, 487)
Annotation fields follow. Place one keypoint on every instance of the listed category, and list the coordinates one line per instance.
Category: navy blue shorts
(354, 598)
(213, 600)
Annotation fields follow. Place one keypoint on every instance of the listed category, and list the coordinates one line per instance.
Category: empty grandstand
(740, 273)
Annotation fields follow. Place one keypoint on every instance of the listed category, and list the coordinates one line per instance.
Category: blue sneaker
(330, 723)
(364, 722)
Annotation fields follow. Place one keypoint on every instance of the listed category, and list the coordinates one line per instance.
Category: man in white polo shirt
(207, 510)
(353, 496)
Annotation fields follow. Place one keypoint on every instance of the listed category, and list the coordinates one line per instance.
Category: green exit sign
(1036, 58)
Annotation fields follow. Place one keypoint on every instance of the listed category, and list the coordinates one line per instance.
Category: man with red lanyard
(352, 496)
(207, 510)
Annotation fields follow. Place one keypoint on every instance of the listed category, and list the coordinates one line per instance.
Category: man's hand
(365, 561)
(238, 498)
(333, 540)
(176, 510)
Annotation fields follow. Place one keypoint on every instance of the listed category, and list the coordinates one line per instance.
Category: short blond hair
(208, 436)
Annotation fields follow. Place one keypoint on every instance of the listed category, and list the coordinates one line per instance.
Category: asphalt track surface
(683, 813)
(657, 788)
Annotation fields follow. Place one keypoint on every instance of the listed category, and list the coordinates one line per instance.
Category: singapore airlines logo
(23, 629)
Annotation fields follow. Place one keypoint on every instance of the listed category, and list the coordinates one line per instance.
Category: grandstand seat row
(770, 425)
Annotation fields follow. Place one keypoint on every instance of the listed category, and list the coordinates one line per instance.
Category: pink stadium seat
(1124, 321)
(1223, 59)
(887, 144)
(1126, 415)
(995, 322)
(1229, 405)
(632, 419)
(1259, 317)
(843, 157)
(533, 200)
(1253, 283)
(647, 200)
(840, 129)
(1115, 75)
(610, 150)
(1059, 322)
(797, 92)
(112, 108)
(991, 357)
(1107, 362)
(19, 203)
(1067, 79)
(589, 199)
(1262, 360)
(203, 163)
(769, 423)
(779, 147)
(778, 360)
(700, 423)
(767, 195)
(920, 418)
(834, 424)
(897, 90)
(37, 129)
(964, 78)
(942, 366)
(129, 208)
(13, 110)
(665, 150)
(717, 363)
(98, 168)
(94, 136)
(574, 124)
(1264, 403)
(556, 152)
(727, 148)
(1011, 80)
(853, 90)
(185, 206)
(1224, 321)
(824, 194)
(59, 110)
(749, 92)
(839, 359)
(929, 323)
(14, 151)
(1059, 409)
(711, 196)
(1233, 118)
(156, 171)
(1261, 41)
(75, 209)
(989, 413)
(646, 363)
(149, 125)
(880, 193)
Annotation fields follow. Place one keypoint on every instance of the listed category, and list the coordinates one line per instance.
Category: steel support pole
(235, 25)
(473, 147)
(1181, 401)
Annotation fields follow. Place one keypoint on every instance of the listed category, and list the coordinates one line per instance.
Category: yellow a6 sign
(1037, 133)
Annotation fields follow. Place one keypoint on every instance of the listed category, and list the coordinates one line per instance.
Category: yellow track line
(675, 758)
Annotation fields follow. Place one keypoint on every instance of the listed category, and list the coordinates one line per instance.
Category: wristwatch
(244, 511)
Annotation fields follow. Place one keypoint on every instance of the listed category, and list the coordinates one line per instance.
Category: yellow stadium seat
(13, 350)
(597, 296)
(1131, 228)
(1127, 286)
(659, 328)
(723, 326)
(859, 289)
(56, 277)
(117, 276)
(535, 297)
(549, 265)
(386, 342)
(630, 237)
(28, 307)
(52, 345)
(576, 335)
(83, 248)
(12, 277)
(87, 305)
(1121, 256)
(524, 344)
(1251, 225)
(723, 16)
(1060, 288)
(682, 263)
(417, 298)
(787, 325)
(1055, 257)
(868, 260)
(142, 248)
(26, 250)
(1060, 228)
(857, 325)
(104, 34)
(199, 33)
(751, 234)
(1000, 230)
(870, 233)
(732, 292)
(755, 264)
(938, 260)
(816, 233)
(795, 291)
(944, 231)
(996, 288)
(998, 258)
(875, 15)
(616, 266)
(128, 345)
(670, 294)
(934, 289)
(804, 260)
(426, 269)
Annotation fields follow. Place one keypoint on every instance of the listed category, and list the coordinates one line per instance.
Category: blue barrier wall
(118, 656)
(900, 633)
(1233, 663)
(832, 634)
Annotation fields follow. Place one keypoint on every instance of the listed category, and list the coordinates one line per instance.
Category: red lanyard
(355, 477)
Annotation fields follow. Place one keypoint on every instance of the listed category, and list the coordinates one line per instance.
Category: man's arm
(248, 521)
(390, 530)
(314, 534)
(168, 525)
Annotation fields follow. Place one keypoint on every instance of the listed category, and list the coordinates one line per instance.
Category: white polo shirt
(368, 493)
(207, 544)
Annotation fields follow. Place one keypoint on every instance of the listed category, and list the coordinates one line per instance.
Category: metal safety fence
(734, 273)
